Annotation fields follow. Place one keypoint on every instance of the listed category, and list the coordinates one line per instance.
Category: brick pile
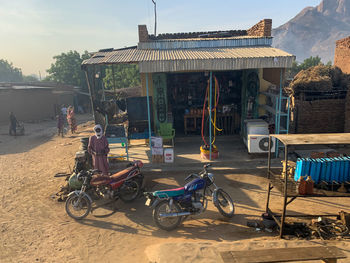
(342, 55)
(318, 116)
(262, 29)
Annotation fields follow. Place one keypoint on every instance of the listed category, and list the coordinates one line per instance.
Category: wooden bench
(324, 253)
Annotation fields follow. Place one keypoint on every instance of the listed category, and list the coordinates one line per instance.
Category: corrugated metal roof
(36, 85)
(151, 60)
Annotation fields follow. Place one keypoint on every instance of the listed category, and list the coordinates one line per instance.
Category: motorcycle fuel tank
(195, 184)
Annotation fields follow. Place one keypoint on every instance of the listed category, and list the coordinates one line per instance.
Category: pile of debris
(318, 79)
(320, 228)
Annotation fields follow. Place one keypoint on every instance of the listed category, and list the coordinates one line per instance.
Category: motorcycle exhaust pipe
(175, 214)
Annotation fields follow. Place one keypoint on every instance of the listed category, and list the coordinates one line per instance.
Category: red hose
(203, 113)
(215, 106)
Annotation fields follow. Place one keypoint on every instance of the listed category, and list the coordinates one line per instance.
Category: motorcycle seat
(122, 173)
(99, 179)
(169, 192)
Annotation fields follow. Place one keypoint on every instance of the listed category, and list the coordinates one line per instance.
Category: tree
(30, 78)
(67, 69)
(9, 73)
(310, 62)
(307, 63)
(125, 76)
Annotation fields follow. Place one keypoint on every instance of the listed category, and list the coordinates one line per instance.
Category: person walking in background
(98, 147)
(71, 119)
(13, 124)
(64, 113)
(60, 124)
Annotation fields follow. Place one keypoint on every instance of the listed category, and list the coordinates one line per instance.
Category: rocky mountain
(314, 30)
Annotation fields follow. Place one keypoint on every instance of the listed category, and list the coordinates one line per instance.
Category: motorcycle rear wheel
(73, 208)
(167, 223)
(130, 191)
(224, 203)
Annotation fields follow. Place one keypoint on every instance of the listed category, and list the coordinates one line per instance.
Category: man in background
(13, 124)
(64, 114)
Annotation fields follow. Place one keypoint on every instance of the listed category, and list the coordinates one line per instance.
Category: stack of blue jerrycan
(329, 170)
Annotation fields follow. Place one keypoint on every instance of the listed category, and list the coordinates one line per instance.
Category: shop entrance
(185, 97)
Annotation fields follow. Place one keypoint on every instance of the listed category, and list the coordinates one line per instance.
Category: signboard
(160, 98)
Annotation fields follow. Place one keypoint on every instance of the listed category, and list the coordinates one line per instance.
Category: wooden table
(287, 186)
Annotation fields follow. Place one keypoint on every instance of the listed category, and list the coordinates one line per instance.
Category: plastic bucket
(205, 153)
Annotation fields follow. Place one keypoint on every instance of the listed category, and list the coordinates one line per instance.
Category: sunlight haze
(33, 31)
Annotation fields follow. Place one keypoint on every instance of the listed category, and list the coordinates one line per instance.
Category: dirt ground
(35, 228)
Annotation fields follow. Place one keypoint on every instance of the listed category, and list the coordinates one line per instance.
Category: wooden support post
(149, 116)
(285, 192)
(268, 175)
(91, 94)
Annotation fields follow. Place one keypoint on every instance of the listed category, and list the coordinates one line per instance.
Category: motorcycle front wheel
(78, 209)
(130, 191)
(224, 203)
(166, 223)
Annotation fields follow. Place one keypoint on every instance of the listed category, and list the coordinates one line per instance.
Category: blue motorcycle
(171, 207)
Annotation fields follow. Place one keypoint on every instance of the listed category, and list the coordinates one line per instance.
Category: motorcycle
(125, 185)
(171, 207)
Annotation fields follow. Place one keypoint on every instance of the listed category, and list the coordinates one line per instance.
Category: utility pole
(155, 17)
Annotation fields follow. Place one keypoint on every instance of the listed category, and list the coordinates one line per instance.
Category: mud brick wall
(143, 33)
(342, 55)
(347, 113)
(318, 116)
(262, 29)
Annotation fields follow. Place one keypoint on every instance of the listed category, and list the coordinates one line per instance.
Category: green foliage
(125, 76)
(67, 69)
(307, 63)
(30, 78)
(9, 73)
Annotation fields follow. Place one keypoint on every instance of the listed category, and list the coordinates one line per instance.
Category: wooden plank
(283, 254)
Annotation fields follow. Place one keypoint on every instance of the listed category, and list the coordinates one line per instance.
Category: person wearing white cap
(98, 147)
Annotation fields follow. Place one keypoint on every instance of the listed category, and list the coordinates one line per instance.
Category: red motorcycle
(125, 185)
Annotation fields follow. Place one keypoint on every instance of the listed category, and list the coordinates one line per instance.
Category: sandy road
(35, 228)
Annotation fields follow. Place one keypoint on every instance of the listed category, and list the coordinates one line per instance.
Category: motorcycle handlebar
(83, 174)
(206, 165)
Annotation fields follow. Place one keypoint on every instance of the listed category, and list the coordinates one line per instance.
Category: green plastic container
(74, 183)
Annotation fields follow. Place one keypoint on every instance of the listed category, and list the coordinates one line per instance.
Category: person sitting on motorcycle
(98, 147)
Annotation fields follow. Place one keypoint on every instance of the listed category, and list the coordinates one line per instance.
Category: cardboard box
(156, 142)
(157, 158)
(157, 151)
(169, 155)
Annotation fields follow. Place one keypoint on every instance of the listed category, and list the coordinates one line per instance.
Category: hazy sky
(33, 31)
